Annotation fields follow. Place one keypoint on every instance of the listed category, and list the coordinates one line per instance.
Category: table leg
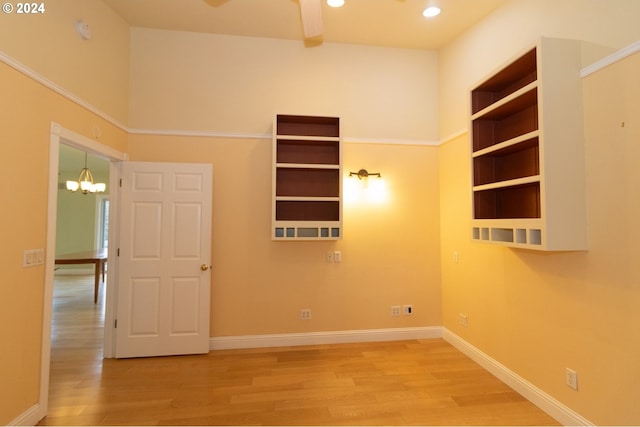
(97, 281)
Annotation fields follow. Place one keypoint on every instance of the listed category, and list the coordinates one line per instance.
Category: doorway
(60, 136)
(82, 221)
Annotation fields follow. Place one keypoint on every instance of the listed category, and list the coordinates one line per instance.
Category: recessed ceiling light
(335, 3)
(431, 11)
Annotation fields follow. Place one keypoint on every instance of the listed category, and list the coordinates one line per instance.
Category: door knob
(204, 267)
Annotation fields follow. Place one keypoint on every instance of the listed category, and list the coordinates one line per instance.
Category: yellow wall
(97, 72)
(390, 250)
(48, 44)
(224, 84)
(536, 313)
(539, 313)
(24, 132)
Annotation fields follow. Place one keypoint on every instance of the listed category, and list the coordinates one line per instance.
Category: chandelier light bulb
(85, 182)
(335, 3)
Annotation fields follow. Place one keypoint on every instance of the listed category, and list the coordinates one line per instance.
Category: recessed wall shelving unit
(527, 138)
(307, 178)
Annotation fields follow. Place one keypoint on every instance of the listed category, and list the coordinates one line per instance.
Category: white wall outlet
(337, 256)
(407, 310)
(462, 319)
(396, 310)
(305, 314)
(456, 257)
(572, 378)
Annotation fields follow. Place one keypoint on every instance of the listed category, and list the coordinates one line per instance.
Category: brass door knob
(204, 267)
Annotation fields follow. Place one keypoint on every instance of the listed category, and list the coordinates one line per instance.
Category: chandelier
(85, 182)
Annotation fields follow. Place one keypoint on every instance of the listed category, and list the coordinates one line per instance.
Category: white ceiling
(388, 23)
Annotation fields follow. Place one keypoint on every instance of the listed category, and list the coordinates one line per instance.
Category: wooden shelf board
(507, 184)
(306, 199)
(305, 166)
(505, 144)
(308, 138)
(487, 112)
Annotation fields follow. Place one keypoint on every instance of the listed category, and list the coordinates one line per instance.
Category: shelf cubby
(518, 74)
(510, 162)
(321, 152)
(307, 182)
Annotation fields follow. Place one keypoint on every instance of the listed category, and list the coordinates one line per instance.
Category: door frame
(60, 135)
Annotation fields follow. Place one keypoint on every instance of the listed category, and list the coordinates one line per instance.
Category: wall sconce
(362, 173)
(365, 190)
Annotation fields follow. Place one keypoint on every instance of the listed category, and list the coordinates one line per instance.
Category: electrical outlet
(329, 256)
(407, 310)
(305, 314)
(337, 256)
(572, 379)
(396, 310)
(462, 319)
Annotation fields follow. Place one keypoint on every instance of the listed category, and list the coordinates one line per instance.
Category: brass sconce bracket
(363, 173)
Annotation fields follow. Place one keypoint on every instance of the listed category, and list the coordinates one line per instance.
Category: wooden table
(97, 257)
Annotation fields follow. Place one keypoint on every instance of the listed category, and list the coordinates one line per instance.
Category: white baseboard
(330, 337)
(544, 401)
(30, 417)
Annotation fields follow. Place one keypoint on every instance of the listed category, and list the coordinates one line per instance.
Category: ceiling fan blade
(311, 14)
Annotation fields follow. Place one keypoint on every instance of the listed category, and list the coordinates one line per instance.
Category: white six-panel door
(164, 280)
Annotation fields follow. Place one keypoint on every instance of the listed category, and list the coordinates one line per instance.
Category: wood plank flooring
(421, 382)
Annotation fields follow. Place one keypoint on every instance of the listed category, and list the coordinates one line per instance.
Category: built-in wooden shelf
(527, 146)
(307, 178)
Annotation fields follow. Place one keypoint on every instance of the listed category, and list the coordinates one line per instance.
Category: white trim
(212, 134)
(198, 133)
(330, 337)
(100, 216)
(453, 136)
(86, 144)
(59, 90)
(389, 141)
(30, 417)
(611, 59)
(538, 397)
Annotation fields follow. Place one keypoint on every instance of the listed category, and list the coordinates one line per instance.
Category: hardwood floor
(422, 382)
